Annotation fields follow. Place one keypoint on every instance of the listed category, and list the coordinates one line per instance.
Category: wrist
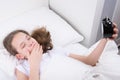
(35, 70)
(34, 73)
(105, 39)
(34, 67)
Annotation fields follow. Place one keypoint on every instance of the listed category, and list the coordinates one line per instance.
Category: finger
(40, 49)
(114, 25)
(35, 48)
(114, 36)
(116, 31)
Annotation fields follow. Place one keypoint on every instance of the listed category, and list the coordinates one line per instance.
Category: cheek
(24, 51)
(27, 50)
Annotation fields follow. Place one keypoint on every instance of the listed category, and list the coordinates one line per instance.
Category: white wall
(97, 20)
(116, 15)
(83, 15)
(10, 8)
(107, 11)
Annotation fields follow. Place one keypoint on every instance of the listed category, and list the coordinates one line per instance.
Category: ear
(19, 56)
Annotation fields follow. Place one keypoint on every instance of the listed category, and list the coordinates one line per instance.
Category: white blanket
(65, 68)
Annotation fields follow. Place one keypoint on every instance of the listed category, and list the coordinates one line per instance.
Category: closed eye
(22, 45)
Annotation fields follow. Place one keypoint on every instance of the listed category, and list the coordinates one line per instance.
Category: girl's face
(24, 44)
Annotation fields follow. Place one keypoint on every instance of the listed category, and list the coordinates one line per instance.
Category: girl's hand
(116, 31)
(35, 57)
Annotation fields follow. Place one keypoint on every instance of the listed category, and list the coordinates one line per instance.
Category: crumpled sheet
(64, 68)
(108, 67)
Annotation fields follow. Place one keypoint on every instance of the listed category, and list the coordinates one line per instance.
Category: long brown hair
(41, 35)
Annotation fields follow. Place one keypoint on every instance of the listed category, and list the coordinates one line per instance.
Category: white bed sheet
(62, 68)
(5, 76)
(104, 69)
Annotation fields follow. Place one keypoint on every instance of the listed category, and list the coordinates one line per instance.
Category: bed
(64, 35)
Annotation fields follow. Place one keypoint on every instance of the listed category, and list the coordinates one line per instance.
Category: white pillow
(7, 63)
(62, 33)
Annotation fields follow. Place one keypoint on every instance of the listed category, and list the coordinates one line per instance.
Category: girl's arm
(34, 60)
(34, 74)
(93, 57)
(21, 76)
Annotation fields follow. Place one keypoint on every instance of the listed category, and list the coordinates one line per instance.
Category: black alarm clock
(107, 28)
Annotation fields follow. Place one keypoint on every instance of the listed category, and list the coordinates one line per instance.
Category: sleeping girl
(36, 50)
